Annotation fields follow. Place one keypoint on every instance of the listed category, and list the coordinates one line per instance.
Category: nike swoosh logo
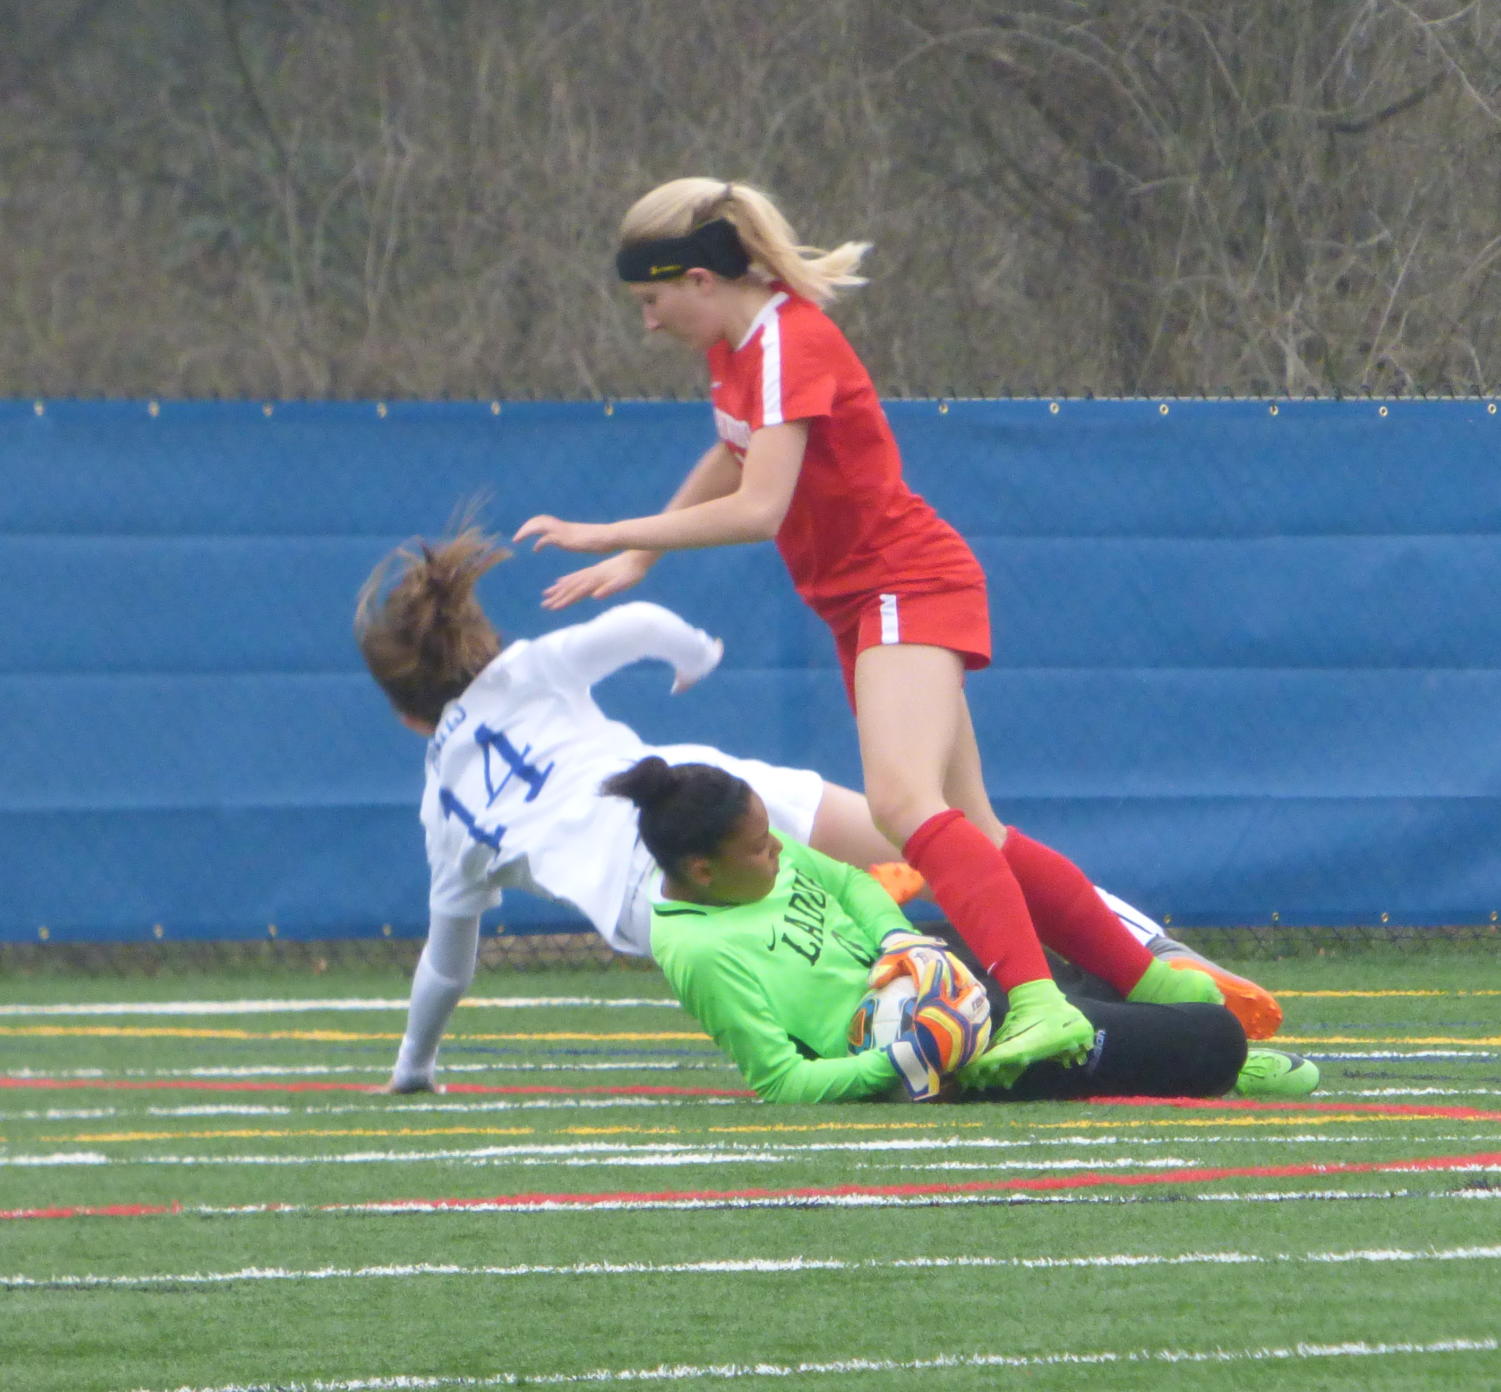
(1036, 1024)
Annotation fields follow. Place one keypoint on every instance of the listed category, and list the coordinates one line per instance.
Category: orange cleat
(1255, 1007)
(898, 879)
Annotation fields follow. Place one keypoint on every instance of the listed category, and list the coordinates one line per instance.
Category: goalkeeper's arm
(869, 907)
(730, 1003)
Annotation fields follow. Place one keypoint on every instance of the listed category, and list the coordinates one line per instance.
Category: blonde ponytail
(676, 208)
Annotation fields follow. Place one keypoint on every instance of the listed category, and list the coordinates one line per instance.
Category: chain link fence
(533, 952)
(527, 952)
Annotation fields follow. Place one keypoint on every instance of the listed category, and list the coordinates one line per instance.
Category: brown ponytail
(426, 638)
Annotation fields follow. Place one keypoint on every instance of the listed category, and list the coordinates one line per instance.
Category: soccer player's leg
(909, 704)
(1179, 1050)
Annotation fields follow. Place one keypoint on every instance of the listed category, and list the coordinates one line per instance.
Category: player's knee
(898, 808)
(1222, 1047)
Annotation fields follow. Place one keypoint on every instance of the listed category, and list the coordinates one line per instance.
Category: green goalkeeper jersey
(776, 982)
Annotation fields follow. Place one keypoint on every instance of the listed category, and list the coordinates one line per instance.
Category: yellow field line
(1378, 995)
(277, 1133)
(322, 1036)
(1243, 1122)
(560, 1036)
(779, 1126)
(1298, 1119)
(259, 1133)
(564, 1036)
(270, 1134)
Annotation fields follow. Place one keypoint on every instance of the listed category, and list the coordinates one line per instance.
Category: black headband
(715, 246)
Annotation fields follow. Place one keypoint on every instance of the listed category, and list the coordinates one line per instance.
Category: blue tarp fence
(1248, 653)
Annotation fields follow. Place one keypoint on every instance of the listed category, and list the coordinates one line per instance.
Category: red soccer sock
(976, 888)
(1070, 917)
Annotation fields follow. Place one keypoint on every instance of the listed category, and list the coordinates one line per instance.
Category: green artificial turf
(1270, 1279)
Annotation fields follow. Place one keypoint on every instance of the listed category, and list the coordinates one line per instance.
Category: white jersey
(513, 772)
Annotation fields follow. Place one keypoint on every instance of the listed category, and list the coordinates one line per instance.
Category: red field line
(515, 1090)
(1393, 1109)
(1246, 1104)
(1191, 1175)
(98, 1211)
(1087, 1180)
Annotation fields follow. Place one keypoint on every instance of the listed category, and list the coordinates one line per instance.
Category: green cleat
(1271, 1073)
(1040, 1023)
(1161, 985)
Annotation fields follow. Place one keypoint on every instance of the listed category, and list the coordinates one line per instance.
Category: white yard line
(464, 1104)
(719, 1372)
(301, 1007)
(710, 1153)
(1411, 1092)
(370, 1111)
(1007, 1198)
(763, 1266)
(693, 1059)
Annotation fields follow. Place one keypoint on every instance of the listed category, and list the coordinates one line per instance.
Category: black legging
(1185, 1050)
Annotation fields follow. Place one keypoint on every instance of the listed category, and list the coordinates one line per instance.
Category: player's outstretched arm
(443, 974)
(588, 652)
(601, 580)
(752, 512)
(715, 475)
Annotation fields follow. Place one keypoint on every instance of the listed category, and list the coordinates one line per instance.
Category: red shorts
(958, 620)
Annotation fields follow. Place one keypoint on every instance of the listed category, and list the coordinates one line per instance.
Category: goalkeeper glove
(950, 1018)
(926, 960)
(941, 1036)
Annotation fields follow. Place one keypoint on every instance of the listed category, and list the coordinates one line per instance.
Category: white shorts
(791, 797)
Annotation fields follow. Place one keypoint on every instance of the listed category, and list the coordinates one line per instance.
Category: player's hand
(926, 960)
(395, 1087)
(940, 1039)
(951, 1014)
(598, 581)
(684, 678)
(566, 536)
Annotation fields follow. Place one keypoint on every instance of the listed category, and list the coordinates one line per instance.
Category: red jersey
(854, 528)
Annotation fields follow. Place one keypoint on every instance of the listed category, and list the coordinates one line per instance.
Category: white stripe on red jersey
(771, 363)
(854, 529)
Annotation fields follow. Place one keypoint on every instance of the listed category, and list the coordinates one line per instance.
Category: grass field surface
(198, 1191)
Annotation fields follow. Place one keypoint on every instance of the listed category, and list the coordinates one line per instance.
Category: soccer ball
(886, 1012)
(882, 1015)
